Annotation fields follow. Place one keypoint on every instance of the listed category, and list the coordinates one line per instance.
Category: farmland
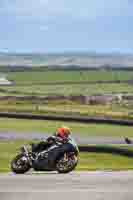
(48, 76)
(68, 82)
(71, 89)
(48, 83)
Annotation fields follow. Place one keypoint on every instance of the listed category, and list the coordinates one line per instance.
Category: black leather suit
(63, 145)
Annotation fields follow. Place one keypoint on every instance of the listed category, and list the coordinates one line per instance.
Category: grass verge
(49, 127)
(104, 161)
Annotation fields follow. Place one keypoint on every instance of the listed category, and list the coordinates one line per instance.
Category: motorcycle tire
(19, 169)
(67, 170)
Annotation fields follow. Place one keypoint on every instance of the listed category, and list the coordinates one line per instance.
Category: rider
(65, 144)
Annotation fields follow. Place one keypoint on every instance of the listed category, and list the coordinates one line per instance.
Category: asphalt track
(81, 140)
(98, 185)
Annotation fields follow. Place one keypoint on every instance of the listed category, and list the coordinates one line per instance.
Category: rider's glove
(51, 140)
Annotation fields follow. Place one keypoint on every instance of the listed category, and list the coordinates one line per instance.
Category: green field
(88, 161)
(38, 126)
(34, 82)
(84, 89)
(67, 109)
(32, 77)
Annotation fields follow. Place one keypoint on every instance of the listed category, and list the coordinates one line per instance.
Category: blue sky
(66, 25)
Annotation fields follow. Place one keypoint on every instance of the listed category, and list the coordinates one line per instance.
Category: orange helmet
(63, 132)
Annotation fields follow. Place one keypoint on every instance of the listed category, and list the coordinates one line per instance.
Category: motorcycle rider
(64, 143)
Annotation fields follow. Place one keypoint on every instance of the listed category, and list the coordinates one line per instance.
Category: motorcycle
(25, 159)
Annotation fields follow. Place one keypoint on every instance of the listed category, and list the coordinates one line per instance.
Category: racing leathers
(56, 146)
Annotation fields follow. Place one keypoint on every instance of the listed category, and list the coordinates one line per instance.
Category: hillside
(66, 60)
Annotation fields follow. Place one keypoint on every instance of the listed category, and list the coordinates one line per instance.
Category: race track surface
(98, 185)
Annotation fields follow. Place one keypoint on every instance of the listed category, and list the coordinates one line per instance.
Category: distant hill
(66, 60)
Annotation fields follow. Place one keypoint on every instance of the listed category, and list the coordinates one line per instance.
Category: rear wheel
(66, 163)
(20, 164)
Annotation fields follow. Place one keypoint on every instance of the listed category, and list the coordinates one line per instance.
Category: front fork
(72, 155)
(27, 154)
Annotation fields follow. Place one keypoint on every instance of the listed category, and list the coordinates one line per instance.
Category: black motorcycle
(24, 161)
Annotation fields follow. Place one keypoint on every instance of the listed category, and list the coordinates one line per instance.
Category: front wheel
(20, 164)
(66, 163)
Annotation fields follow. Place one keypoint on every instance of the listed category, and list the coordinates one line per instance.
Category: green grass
(7, 151)
(40, 126)
(104, 161)
(67, 108)
(67, 76)
(33, 83)
(88, 161)
(84, 89)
